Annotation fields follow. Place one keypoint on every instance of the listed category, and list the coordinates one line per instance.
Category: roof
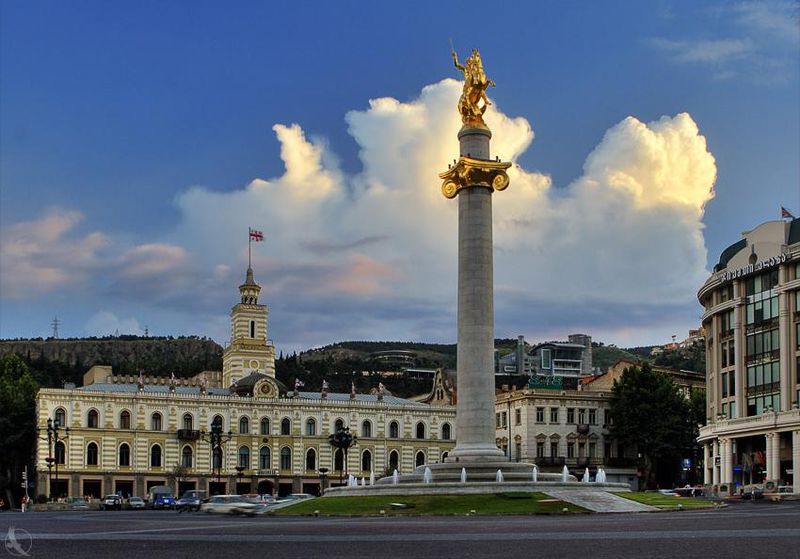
(794, 232)
(345, 397)
(149, 388)
(729, 253)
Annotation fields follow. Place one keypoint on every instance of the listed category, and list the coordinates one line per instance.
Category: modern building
(752, 337)
(572, 358)
(236, 430)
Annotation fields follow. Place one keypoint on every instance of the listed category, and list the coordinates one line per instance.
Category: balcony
(188, 434)
(582, 428)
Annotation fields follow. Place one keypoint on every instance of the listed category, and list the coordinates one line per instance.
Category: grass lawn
(667, 502)
(499, 503)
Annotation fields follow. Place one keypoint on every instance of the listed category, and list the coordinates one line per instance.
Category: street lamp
(239, 470)
(343, 439)
(53, 436)
(216, 438)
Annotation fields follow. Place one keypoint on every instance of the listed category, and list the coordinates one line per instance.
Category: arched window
(311, 459)
(244, 426)
(186, 456)
(394, 430)
(338, 460)
(252, 328)
(217, 458)
(155, 422)
(91, 454)
(366, 461)
(286, 458)
(366, 428)
(244, 457)
(444, 456)
(61, 453)
(338, 425)
(419, 460)
(125, 419)
(394, 460)
(286, 426)
(420, 430)
(264, 458)
(265, 426)
(217, 421)
(188, 422)
(446, 435)
(155, 456)
(92, 419)
(61, 417)
(311, 427)
(124, 455)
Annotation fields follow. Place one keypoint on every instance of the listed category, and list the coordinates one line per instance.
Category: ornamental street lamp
(216, 438)
(343, 439)
(53, 431)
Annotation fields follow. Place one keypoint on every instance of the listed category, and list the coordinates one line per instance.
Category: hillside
(53, 362)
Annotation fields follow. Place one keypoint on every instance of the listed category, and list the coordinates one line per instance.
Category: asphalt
(741, 530)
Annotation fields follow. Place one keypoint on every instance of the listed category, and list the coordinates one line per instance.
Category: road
(742, 530)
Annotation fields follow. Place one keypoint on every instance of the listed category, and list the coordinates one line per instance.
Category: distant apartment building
(572, 358)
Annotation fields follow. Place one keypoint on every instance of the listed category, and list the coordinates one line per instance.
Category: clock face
(253, 364)
(265, 389)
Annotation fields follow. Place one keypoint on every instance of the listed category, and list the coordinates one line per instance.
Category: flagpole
(249, 244)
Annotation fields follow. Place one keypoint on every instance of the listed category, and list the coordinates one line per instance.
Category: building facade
(752, 335)
(238, 430)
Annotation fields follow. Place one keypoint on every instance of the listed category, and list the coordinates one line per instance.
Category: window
(420, 430)
(582, 416)
(252, 328)
(419, 460)
(517, 416)
(286, 458)
(61, 453)
(497, 420)
(553, 415)
(155, 422)
(244, 426)
(244, 457)
(539, 415)
(125, 419)
(155, 456)
(265, 426)
(124, 455)
(92, 419)
(394, 430)
(446, 435)
(91, 454)
(546, 359)
(286, 426)
(188, 422)
(217, 421)
(311, 459)
(217, 458)
(186, 457)
(338, 425)
(264, 458)
(366, 429)
(553, 449)
(503, 419)
(311, 427)
(570, 415)
(724, 385)
(61, 417)
(581, 450)
(366, 461)
(338, 460)
(394, 460)
(570, 450)
(539, 449)
(592, 416)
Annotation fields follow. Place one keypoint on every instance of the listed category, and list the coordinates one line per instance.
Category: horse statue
(475, 85)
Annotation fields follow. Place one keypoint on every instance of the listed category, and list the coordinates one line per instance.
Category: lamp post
(216, 438)
(343, 439)
(53, 436)
(239, 470)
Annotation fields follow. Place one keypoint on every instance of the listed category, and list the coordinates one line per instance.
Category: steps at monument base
(476, 472)
(598, 501)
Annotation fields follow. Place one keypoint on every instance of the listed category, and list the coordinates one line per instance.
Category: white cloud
(774, 18)
(720, 50)
(106, 323)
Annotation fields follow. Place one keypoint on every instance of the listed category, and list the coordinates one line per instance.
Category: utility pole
(55, 324)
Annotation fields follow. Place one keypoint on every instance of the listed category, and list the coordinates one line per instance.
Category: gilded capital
(469, 172)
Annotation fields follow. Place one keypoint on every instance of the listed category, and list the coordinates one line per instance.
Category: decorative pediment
(266, 388)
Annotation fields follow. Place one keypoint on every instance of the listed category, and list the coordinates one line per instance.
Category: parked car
(135, 503)
(752, 492)
(232, 504)
(76, 503)
(190, 500)
(160, 497)
(111, 502)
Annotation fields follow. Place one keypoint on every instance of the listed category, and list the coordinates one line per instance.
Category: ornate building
(239, 430)
(752, 336)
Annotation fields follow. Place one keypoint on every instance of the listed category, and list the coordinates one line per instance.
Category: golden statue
(475, 84)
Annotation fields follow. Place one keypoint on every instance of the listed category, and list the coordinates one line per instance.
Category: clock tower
(250, 351)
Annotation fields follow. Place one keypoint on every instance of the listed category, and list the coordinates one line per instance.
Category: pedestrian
(24, 502)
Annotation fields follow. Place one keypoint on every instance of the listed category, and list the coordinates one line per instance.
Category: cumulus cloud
(106, 323)
(44, 254)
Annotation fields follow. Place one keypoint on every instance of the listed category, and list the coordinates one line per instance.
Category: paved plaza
(741, 530)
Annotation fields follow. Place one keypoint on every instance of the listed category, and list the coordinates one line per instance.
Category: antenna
(55, 324)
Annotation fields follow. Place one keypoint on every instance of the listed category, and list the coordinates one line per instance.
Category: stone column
(772, 456)
(740, 344)
(707, 464)
(725, 461)
(715, 468)
(787, 349)
(796, 461)
(475, 439)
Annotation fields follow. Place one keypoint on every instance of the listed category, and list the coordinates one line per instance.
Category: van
(160, 497)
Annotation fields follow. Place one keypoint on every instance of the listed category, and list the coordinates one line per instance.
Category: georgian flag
(256, 236)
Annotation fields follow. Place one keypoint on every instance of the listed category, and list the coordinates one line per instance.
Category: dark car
(163, 501)
(111, 502)
(190, 500)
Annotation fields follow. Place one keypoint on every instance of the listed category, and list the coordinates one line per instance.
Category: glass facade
(763, 343)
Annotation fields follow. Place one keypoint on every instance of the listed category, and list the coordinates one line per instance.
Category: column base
(475, 453)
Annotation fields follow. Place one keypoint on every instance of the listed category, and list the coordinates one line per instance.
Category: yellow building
(126, 434)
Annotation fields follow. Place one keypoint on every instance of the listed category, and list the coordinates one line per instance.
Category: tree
(176, 475)
(17, 422)
(652, 416)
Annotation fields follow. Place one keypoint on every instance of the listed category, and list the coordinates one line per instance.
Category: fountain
(585, 478)
(600, 477)
(427, 477)
(363, 482)
(535, 474)
(565, 474)
(499, 477)
(463, 475)
(395, 477)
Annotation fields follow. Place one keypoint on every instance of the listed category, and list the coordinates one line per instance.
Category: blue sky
(137, 145)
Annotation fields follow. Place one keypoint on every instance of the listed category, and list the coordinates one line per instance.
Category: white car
(232, 504)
